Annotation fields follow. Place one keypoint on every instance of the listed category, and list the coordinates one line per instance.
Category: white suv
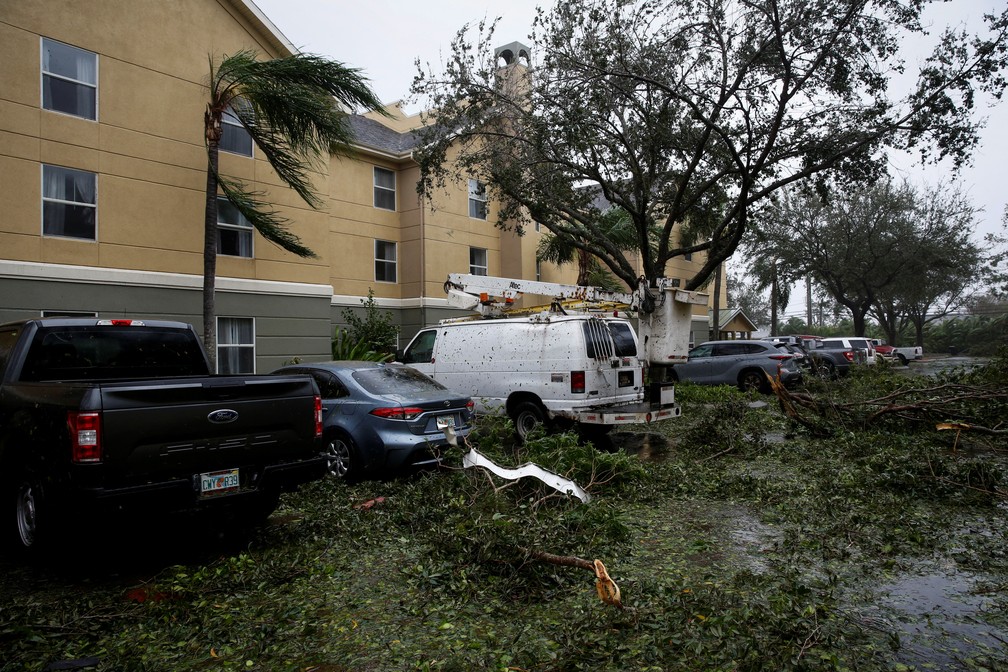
(864, 351)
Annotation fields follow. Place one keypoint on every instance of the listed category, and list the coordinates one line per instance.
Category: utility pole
(808, 301)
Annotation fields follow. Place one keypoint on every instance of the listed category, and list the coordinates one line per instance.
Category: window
(69, 80)
(69, 202)
(688, 256)
(538, 271)
(234, 137)
(477, 200)
(384, 189)
(421, 349)
(477, 261)
(235, 345)
(385, 261)
(234, 231)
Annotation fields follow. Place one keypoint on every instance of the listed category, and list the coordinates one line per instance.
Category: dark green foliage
(374, 331)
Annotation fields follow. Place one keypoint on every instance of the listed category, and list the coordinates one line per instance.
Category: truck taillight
(577, 381)
(849, 355)
(85, 436)
(318, 416)
(471, 406)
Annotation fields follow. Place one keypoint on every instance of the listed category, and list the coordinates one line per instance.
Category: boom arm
(665, 311)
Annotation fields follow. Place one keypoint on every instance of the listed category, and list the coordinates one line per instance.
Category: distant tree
(689, 115)
(291, 108)
(854, 247)
(941, 265)
(745, 293)
(560, 249)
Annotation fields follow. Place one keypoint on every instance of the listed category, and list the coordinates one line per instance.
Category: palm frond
(263, 218)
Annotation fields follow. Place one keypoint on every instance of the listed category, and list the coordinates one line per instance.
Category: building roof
(374, 135)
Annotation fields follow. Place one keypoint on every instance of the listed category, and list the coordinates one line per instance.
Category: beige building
(103, 173)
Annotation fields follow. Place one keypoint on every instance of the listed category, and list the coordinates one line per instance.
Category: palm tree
(293, 109)
(616, 226)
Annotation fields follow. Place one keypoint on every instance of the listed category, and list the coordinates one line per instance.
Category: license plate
(445, 421)
(218, 482)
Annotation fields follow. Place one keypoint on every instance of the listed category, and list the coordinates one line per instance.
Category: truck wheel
(903, 359)
(342, 457)
(29, 508)
(752, 380)
(527, 416)
(825, 370)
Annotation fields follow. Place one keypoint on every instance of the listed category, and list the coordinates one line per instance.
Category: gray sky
(385, 37)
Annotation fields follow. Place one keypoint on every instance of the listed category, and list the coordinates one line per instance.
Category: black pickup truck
(99, 416)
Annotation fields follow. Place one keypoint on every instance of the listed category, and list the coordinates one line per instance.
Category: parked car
(864, 351)
(903, 355)
(827, 362)
(746, 363)
(380, 418)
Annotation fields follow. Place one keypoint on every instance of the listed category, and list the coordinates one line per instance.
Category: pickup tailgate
(169, 429)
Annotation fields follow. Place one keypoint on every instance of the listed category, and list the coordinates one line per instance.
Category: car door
(727, 362)
(697, 366)
(337, 407)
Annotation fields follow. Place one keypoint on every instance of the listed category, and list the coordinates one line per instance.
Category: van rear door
(617, 374)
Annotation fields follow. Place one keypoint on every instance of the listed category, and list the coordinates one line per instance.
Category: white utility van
(544, 368)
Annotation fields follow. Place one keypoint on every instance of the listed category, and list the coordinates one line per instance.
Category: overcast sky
(385, 37)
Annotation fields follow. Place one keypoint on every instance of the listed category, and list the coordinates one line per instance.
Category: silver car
(746, 363)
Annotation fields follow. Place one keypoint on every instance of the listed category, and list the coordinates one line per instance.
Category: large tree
(295, 110)
(688, 113)
(901, 254)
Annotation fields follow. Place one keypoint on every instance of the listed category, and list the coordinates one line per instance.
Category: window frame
(241, 228)
(392, 263)
(226, 119)
(475, 189)
(475, 268)
(384, 189)
(63, 202)
(223, 346)
(43, 74)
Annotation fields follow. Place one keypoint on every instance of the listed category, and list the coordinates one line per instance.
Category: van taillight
(577, 381)
(85, 436)
(318, 416)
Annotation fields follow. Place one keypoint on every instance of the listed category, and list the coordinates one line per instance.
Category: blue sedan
(380, 418)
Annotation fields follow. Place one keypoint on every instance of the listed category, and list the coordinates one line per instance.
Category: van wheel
(752, 380)
(527, 416)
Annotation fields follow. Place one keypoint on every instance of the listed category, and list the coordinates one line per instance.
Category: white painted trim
(422, 302)
(91, 275)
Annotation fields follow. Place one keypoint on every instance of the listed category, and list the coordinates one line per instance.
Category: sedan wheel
(341, 456)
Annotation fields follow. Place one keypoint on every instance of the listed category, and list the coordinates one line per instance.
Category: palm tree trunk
(210, 257)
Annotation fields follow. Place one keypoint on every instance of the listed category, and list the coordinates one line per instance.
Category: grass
(739, 542)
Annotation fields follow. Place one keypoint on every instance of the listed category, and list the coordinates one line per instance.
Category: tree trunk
(716, 314)
(773, 300)
(210, 256)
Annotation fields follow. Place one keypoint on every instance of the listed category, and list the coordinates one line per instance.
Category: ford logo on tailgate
(222, 416)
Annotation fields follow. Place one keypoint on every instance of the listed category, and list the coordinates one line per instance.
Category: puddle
(942, 619)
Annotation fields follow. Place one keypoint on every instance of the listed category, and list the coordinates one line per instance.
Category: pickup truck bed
(92, 421)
